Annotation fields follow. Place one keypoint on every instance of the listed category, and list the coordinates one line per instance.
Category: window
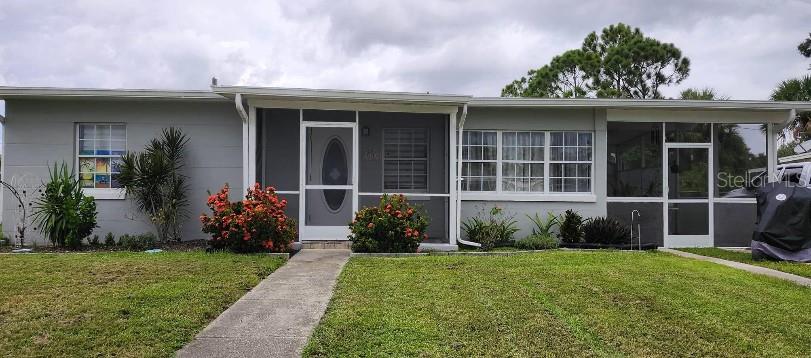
(792, 175)
(570, 156)
(405, 159)
(99, 154)
(479, 160)
(522, 157)
(517, 161)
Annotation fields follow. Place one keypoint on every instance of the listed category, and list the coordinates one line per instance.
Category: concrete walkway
(276, 318)
(803, 281)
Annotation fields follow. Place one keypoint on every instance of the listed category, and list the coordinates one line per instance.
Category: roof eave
(303, 94)
(638, 104)
(95, 93)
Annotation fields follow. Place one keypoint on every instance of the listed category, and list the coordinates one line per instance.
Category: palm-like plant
(63, 214)
(796, 89)
(154, 179)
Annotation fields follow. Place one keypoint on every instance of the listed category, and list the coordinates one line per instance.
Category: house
(683, 166)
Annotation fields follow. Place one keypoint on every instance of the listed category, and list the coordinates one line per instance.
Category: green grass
(117, 304)
(798, 269)
(560, 304)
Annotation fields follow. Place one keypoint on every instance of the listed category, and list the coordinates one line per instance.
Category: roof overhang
(673, 104)
(350, 96)
(108, 94)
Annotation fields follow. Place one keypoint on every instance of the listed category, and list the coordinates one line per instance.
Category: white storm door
(688, 209)
(328, 180)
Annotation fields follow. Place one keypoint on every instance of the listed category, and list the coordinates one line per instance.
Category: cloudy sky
(742, 48)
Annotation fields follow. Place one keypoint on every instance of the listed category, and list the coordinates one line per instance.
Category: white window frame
(496, 161)
(98, 193)
(543, 161)
(575, 162)
(426, 159)
(547, 195)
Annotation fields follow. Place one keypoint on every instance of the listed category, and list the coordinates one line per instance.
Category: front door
(328, 180)
(688, 211)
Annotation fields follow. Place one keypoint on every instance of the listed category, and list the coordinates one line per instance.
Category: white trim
(635, 103)
(794, 158)
(541, 197)
(324, 187)
(634, 199)
(302, 215)
(416, 195)
(341, 95)
(142, 94)
(451, 209)
(252, 145)
(246, 161)
(287, 192)
(105, 194)
(735, 200)
(352, 106)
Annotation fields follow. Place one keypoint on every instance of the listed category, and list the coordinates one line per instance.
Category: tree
(566, 76)
(805, 48)
(702, 94)
(796, 89)
(154, 179)
(619, 63)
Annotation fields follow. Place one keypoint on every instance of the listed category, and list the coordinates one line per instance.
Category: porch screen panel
(634, 159)
(739, 155)
(278, 148)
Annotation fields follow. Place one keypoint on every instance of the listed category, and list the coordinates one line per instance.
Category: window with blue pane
(100, 149)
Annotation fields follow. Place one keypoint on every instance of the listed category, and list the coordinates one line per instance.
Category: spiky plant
(154, 179)
(63, 214)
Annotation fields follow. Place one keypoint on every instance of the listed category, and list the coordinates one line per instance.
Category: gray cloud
(742, 48)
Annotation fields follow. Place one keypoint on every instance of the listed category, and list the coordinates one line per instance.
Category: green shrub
(138, 242)
(537, 242)
(109, 239)
(495, 229)
(392, 226)
(155, 181)
(63, 213)
(94, 241)
(544, 227)
(255, 224)
(571, 228)
(602, 230)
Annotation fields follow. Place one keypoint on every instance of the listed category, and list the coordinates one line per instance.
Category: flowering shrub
(255, 224)
(392, 226)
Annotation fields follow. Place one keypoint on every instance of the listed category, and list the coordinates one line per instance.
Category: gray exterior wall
(545, 119)
(41, 132)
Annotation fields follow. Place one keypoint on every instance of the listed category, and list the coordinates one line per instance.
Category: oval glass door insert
(334, 171)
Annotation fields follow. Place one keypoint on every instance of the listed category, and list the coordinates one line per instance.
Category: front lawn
(117, 304)
(560, 303)
(799, 269)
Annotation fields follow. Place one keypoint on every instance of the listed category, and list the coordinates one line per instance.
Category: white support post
(771, 150)
(453, 218)
(251, 146)
(245, 156)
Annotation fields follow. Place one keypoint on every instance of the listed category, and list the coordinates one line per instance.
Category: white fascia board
(146, 94)
(637, 103)
(341, 95)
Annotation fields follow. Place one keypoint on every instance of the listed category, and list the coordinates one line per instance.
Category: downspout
(241, 108)
(458, 203)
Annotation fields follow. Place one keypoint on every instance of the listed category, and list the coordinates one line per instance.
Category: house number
(371, 155)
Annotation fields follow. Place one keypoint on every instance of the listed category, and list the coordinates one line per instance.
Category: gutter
(240, 108)
(458, 203)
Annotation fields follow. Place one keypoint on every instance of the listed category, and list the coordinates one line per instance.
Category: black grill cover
(783, 217)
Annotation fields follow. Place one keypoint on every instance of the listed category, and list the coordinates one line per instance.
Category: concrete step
(326, 244)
